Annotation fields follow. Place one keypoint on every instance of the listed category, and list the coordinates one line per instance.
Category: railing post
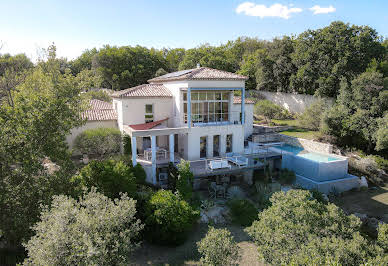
(171, 144)
(189, 107)
(153, 158)
(134, 150)
(243, 106)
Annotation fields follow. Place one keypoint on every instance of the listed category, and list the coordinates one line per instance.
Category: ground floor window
(229, 143)
(216, 145)
(203, 146)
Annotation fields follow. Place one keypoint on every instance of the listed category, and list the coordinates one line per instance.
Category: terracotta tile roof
(201, 73)
(99, 111)
(147, 126)
(145, 90)
(237, 100)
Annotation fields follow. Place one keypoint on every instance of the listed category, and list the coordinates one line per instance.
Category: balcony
(214, 119)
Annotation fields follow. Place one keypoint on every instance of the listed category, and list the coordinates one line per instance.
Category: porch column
(153, 158)
(134, 150)
(189, 107)
(171, 150)
(242, 106)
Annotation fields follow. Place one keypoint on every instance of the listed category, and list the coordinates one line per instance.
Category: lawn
(187, 254)
(301, 133)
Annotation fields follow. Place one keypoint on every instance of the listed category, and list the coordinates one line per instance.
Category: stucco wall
(193, 140)
(89, 125)
(295, 103)
(248, 126)
(132, 110)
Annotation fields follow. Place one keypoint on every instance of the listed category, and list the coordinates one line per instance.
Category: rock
(216, 214)
(371, 225)
(204, 219)
(362, 182)
(325, 197)
(285, 189)
(362, 216)
(85, 159)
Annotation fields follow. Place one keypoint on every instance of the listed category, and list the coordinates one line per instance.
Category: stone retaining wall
(307, 144)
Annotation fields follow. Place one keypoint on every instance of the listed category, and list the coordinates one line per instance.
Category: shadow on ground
(187, 253)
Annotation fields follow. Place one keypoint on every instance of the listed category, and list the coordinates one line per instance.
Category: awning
(147, 126)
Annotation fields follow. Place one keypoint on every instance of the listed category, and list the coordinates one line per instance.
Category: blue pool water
(298, 151)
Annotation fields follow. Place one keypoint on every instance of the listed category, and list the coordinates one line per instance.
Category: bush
(286, 177)
(299, 230)
(185, 178)
(127, 144)
(98, 141)
(169, 218)
(235, 192)
(109, 177)
(382, 238)
(139, 173)
(218, 248)
(92, 231)
(270, 110)
(312, 116)
(243, 211)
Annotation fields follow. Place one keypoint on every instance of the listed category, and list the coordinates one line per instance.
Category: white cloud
(322, 10)
(262, 11)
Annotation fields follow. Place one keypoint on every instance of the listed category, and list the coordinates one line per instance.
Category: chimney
(198, 65)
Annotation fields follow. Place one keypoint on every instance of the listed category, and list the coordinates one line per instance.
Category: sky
(74, 26)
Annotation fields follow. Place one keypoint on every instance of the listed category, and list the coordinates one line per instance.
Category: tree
(108, 177)
(88, 79)
(299, 230)
(98, 141)
(168, 218)
(92, 231)
(311, 117)
(382, 134)
(218, 248)
(269, 110)
(46, 106)
(185, 178)
(124, 67)
(322, 57)
(354, 118)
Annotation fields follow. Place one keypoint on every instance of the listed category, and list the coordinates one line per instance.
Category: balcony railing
(199, 119)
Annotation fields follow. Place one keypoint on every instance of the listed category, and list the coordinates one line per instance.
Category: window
(229, 143)
(149, 113)
(207, 106)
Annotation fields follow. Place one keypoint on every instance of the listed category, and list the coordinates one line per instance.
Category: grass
(287, 122)
(301, 133)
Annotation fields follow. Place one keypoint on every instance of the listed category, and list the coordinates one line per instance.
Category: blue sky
(26, 26)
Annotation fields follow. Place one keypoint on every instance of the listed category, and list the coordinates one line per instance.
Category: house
(100, 114)
(191, 114)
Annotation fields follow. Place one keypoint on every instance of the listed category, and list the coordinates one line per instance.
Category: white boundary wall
(295, 103)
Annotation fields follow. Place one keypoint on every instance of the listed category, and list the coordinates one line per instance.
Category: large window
(207, 106)
(149, 113)
(229, 143)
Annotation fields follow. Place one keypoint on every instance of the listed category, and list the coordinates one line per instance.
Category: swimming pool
(315, 166)
(314, 156)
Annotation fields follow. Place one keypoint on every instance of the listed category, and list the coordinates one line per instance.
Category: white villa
(195, 115)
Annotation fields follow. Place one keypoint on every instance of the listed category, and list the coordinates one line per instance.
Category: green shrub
(173, 176)
(299, 230)
(382, 238)
(109, 177)
(92, 231)
(218, 248)
(98, 141)
(139, 173)
(381, 162)
(168, 218)
(243, 211)
(318, 196)
(312, 116)
(127, 144)
(286, 177)
(185, 178)
(270, 110)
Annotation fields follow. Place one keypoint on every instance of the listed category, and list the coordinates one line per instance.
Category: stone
(362, 216)
(363, 182)
(285, 189)
(325, 197)
(216, 215)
